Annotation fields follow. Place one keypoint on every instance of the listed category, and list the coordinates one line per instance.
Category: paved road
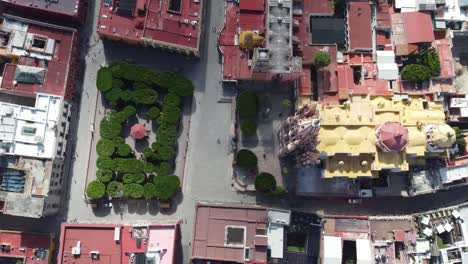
(208, 167)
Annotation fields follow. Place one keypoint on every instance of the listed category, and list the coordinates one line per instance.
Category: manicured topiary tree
(115, 189)
(104, 176)
(174, 83)
(148, 153)
(149, 167)
(105, 163)
(171, 100)
(133, 190)
(95, 190)
(248, 127)
(129, 111)
(247, 104)
(129, 165)
(140, 86)
(114, 95)
(118, 117)
(105, 147)
(166, 134)
(163, 169)
(164, 152)
(124, 150)
(166, 186)
(415, 73)
(109, 129)
(149, 190)
(170, 115)
(145, 96)
(246, 159)
(104, 79)
(322, 59)
(265, 182)
(153, 113)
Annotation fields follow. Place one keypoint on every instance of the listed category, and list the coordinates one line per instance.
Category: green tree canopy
(248, 127)
(105, 147)
(247, 104)
(246, 159)
(104, 79)
(166, 186)
(149, 190)
(115, 189)
(104, 176)
(322, 59)
(265, 182)
(95, 190)
(415, 73)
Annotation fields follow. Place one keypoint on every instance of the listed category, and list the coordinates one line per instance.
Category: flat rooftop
(359, 26)
(66, 7)
(328, 30)
(174, 23)
(32, 248)
(222, 232)
(45, 54)
(154, 242)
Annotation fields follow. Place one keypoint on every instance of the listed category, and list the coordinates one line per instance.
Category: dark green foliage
(104, 176)
(247, 104)
(105, 147)
(153, 112)
(134, 178)
(118, 83)
(246, 159)
(140, 86)
(148, 153)
(248, 126)
(124, 150)
(171, 100)
(163, 169)
(170, 115)
(166, 134)
(322, 59)
(149, 167)
(129, 111)
(105, 163)
(166, 186)
(95, 190)
(460, 139)
(164, 152)
(126, 96)
(415, 73)
(149, 190)
(174, 83)
(109, 130)
(431, 60)
(117, 141)
(133, 190)
(118, 117)
(128, 165)
(145, 96)
(114, 95)
(115, 189)
(265, 182)
(104, 79)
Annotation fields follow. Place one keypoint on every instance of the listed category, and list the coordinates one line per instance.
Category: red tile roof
(444, 48)
(418, 27)
(305, 82)
(383, 16)
(252, 5)
(210, 227)
(318, 7)
(155, 23)
(60, 73)
(30, 242)
(359, 23)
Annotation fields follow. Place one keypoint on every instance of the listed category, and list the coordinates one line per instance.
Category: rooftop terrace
(66, 7)
(31, 248)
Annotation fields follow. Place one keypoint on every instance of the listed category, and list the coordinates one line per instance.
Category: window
(261, 232)
(246, 253)
(235, 236)
(30, 131)
(39, 42)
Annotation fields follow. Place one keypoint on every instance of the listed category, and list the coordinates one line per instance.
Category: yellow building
(368, 134)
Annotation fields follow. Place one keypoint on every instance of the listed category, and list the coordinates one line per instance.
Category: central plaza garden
(134, 93)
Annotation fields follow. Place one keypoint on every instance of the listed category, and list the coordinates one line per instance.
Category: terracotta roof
(359, 25)
(392, 136)
(418, 27)
(305, 82)
(30, 242)
(252, 5)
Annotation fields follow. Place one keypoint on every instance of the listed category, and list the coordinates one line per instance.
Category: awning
(332, 250)
(363, 251)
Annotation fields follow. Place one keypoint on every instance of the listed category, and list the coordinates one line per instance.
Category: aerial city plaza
(233, 131)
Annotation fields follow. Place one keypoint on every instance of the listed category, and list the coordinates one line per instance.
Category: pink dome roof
(392, 136)
(138, 131)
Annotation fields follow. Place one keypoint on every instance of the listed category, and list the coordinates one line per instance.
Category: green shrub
(149, 167)
(118, 117)
(115, 189)
(248, 127)
(166, 134)
(246, 159)
(174, 83)
(105, 163)
(163, 169)
(105, 147)
(164, 152)
(118, 83)
(265, 182)
(95, 190)
(104, 176)
(126, 96)
(153, 113)
(140, 86)
(171, 100)
(149, 190)
(415, 73)
(124, 150)
(166, 186)
(322, 59)
(130, 165)
(104, 79)
(247, 104)
(134, 178)
(460, 139)
(170, 115)
(114, 95)
(431, 60)
(117, 141)
(148, 153)
(109, 130)
(133, 190)
(145, 96)
(129, 111)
